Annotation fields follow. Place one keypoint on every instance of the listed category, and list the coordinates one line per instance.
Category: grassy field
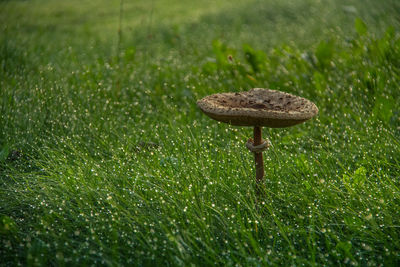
(105, 158)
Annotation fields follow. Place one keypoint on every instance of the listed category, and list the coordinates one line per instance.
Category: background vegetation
(106, 160)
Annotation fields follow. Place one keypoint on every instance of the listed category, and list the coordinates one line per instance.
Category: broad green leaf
(355, 180)
(324, 53)
(255, 58)
(360, 26)
(383, 108)
(345, 249)
(319, 82)
(7, 225)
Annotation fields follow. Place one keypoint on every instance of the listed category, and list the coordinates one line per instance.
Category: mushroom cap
(258, 107)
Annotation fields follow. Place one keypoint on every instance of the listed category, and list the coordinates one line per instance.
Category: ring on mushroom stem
(258, 107)
(257, 149)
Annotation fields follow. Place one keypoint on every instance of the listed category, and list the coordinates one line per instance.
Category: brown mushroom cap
(258, 107)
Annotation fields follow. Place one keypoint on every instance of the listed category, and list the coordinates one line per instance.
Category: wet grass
(106, 160)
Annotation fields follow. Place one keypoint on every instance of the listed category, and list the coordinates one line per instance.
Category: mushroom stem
(258, 156)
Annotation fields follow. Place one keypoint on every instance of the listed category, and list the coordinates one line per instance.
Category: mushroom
(258, 107)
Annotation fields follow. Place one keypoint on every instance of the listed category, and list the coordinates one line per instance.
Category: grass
(106, 160)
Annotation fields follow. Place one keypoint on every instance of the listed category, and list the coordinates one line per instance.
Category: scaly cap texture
(258, 107)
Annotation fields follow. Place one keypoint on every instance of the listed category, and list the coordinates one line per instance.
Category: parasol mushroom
(258, 107)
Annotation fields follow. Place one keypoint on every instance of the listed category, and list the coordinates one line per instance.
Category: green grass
(106, 160)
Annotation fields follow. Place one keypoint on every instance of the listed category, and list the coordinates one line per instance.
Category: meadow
(105, 158)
